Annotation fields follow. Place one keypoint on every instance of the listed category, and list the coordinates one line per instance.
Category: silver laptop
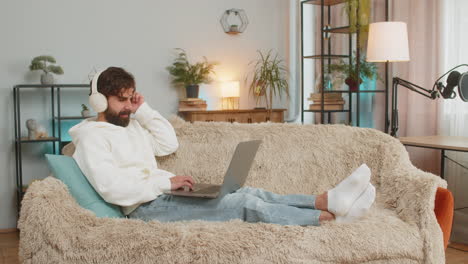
(234, 178)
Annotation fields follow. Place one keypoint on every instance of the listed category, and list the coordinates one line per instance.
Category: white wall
(136, 35)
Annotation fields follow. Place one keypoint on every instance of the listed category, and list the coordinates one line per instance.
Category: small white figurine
(35, 130)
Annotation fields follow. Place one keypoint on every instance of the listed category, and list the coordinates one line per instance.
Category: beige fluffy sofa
(401, 226)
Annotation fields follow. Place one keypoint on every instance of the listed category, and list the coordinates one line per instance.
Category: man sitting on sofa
(116, 153)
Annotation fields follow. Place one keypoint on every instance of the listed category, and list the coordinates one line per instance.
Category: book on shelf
(191, 101)
(329, 107)
(329, 102)
(185, 109)
(192, 107)
(327, 96)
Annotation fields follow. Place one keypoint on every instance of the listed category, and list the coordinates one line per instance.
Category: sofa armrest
(411, 192)
(443, 209)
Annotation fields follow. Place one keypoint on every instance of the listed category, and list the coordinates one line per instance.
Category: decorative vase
(192, 90)
(47, 78)
(85, 113)
(353, 84)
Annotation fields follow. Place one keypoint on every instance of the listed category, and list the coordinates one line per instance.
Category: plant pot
(47, 78)
(234, 28)
(192, 90)
(85, 113)
(353, 84)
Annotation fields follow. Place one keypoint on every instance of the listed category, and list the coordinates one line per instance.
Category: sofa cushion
(65, 169)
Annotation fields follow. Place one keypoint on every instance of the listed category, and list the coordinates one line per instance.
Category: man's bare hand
(137, 100)
(181, 181)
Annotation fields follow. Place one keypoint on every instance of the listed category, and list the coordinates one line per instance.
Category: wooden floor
(9, 250)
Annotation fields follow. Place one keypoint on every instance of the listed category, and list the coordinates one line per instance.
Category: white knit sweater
(119, 161)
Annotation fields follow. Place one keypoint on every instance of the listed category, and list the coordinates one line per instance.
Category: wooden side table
(240, 116)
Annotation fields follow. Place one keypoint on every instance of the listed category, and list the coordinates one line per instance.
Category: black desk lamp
(388, 42)
(454, 79)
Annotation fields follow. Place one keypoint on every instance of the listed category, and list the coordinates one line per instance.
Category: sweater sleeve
(161, 133)
(121, 185)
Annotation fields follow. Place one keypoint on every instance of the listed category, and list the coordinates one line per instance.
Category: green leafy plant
(269, 78)
(364, 17)
(345, 70)
(185, 73)
(40, 63)
(84, 107)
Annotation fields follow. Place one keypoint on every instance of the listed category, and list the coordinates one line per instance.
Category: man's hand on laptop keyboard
(181, 181)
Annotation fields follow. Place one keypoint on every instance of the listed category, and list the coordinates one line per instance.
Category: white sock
(342, 197)
(360, 207)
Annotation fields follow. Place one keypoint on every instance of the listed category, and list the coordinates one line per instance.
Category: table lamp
(387, 42)
(230, 95)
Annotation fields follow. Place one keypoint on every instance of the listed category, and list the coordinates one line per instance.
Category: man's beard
(116, 118)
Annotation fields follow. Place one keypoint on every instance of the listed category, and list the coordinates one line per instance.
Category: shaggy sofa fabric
(401, 226)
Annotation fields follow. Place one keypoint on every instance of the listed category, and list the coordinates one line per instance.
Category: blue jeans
(248, 204)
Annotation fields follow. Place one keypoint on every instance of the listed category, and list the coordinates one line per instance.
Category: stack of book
(192, 104)
(331, 101)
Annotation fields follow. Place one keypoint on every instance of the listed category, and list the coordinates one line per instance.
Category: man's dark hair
(114, 80)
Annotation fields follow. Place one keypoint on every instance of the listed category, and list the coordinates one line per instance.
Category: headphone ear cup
(98, 102)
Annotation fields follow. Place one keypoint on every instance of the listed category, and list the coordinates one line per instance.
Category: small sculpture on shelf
(85, 111)
(35, 130)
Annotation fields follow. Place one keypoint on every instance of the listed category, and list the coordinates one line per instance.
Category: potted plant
(190, 75)
(234, 28)
(40, 63)
(269, 78)
(347, 72)
(84, 111)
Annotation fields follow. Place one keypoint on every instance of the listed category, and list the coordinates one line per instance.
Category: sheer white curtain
(453, 114)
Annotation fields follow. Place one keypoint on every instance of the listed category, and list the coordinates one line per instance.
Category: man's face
(119, 108)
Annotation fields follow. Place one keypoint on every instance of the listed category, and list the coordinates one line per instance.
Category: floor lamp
(388, 42)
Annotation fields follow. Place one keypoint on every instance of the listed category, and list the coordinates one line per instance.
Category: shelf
(73, 117)
(333, 111)
(341, 30)
(325, 2)
(361, 91)
(326, 56)
(57, 85)
(47, 139)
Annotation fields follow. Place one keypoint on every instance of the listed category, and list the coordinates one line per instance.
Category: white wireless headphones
(97, 100)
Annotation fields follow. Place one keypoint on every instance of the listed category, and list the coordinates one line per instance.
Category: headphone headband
(96, 99)
(94, 89)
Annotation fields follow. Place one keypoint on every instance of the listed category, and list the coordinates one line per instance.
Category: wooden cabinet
(239, 116)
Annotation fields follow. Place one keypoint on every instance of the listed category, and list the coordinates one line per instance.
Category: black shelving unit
(56, 118)
(326, 56)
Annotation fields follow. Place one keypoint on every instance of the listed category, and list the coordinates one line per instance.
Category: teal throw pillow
(66, 169)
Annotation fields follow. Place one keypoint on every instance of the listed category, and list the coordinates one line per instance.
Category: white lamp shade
(388, 41)
(230, 89)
